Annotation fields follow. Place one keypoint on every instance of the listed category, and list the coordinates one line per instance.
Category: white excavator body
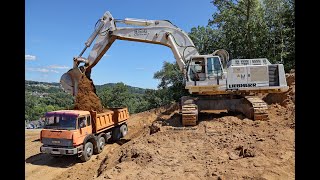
(214, 81)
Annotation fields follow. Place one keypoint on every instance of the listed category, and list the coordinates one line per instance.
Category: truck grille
(57, 142)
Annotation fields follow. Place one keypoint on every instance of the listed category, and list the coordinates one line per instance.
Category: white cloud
(54, 71)
(58, 67)
(106, 55)
(140, 68)
(30, 57)
(42, 70)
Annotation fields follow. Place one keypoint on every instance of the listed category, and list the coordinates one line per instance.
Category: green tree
(279, 15)
(104, 95)
(154, 98)
(119, 96)
(243, 26)
(206, 39)
(172, 83)
(30, 102)
(42, 97)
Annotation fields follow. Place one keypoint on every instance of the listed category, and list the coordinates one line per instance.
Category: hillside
(44, 96)
(48, 87)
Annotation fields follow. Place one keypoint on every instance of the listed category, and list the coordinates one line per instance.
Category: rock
(108, 176)
(154, 128)
(220, 178)
(248, 153)
(240, 148)
(233, 156)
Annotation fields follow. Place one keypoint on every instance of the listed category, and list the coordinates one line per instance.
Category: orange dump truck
(82, 133)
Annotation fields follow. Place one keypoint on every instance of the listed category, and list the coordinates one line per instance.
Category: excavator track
(189, 114)
(259, 108)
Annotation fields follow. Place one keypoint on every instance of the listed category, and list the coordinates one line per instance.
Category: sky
(56, 30)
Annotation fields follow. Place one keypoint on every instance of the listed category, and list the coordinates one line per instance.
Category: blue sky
(56, 30)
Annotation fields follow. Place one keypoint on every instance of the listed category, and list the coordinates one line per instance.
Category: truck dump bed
(110, 118)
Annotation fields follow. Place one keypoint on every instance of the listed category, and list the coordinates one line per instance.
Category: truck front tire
(87, 152)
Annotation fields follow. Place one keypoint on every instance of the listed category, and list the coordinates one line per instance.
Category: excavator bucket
(70, 80)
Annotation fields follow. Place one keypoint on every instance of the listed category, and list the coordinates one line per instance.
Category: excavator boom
(215, 82)
(161, 32)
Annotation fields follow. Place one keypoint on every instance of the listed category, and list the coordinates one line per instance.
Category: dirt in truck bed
(87, 98)
(222, 146)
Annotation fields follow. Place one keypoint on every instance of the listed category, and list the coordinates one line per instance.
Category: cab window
(214, 65)
(197, 70)
(88, 121)
(82, 122)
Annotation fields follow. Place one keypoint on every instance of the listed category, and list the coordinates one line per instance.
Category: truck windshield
(60, 122)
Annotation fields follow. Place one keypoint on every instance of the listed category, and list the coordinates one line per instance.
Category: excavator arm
(215, 82)
(161, 32)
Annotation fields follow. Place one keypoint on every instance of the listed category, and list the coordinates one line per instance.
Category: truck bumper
(60, 151)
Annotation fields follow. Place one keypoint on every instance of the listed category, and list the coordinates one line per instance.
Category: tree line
(250, 29)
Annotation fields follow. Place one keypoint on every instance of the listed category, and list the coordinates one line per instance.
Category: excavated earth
(222, 146)
(87, 98)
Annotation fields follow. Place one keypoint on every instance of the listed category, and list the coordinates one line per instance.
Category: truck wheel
(116, 134)
(124, 130)
(87, 152)
(100, 144)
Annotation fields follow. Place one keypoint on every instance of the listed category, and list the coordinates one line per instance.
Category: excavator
(213, 81)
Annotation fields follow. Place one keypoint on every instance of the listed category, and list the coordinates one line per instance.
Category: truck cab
(82, 133)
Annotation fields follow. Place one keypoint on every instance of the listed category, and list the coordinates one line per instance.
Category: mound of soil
(87, 98)
(284, 99)
(222, 146)
(217, 148)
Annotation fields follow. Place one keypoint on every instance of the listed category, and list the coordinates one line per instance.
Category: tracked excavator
(213, 81)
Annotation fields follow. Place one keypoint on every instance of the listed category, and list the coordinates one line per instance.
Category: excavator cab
(205, 73)
(205, 68)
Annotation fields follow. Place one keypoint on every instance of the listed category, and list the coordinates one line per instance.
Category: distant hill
(35, 83)
(47, 85)
(132, 89)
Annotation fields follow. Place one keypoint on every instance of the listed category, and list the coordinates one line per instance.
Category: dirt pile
(87, 98)
(284, 99)
(283, 104)
(221, 146)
